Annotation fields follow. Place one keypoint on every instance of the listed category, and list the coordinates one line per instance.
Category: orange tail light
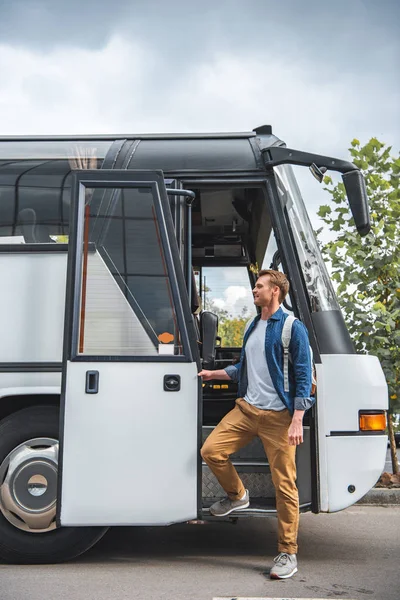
(372, 421)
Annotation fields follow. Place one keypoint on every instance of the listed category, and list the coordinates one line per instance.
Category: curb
(381, 497)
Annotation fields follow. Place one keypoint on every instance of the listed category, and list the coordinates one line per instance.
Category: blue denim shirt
(300, 370)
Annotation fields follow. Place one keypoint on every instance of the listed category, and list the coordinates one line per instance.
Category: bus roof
(263, 130)
(181, 152)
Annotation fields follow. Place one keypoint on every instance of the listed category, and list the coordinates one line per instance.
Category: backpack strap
(286, 337)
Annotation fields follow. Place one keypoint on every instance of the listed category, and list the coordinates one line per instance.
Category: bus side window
(32, 209)
(32, 231)
(35, 191)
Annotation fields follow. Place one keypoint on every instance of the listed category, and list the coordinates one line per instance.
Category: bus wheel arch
(28, 441)
(15, 402)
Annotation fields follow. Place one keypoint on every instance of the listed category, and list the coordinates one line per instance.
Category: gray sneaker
(226, 506)
(285, 566)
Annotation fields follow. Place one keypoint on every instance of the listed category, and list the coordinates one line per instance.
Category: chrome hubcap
(28, 485)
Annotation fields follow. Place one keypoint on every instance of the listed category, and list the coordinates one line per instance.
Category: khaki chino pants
(236, 430)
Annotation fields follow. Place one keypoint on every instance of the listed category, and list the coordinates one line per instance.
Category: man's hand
(206, 375)
(296, 428)
(218, 374)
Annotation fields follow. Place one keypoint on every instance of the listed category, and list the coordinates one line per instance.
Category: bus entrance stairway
(254, 470)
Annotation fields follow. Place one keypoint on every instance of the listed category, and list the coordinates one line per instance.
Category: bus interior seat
(208, 338)
(32, 232)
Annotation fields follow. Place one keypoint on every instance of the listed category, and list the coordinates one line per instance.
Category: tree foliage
(231, 331)
(367, 269)
(230, 328)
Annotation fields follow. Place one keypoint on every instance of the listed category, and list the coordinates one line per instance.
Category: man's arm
(220, 374)
(301, 362)
(229, 374)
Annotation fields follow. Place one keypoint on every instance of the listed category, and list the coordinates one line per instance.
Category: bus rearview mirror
(356, 191)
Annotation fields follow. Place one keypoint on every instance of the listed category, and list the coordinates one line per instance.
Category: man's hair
(279, 279)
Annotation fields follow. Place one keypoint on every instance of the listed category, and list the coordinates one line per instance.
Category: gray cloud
(350, 42)
(348, 35)
(317, 72)
(43, 25)
(320, 73)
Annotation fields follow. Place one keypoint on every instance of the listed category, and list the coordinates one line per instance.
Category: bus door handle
(92, 382)
(172, 383)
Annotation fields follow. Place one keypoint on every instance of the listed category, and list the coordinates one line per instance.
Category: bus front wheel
(28, 492)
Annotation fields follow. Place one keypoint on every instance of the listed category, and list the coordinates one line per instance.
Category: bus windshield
(317, 281)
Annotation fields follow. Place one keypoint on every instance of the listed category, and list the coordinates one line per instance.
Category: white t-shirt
(260, 389)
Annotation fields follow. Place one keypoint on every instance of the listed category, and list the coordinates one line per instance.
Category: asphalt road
(353, 555)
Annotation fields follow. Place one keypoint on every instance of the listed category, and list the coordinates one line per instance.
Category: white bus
(102, 413)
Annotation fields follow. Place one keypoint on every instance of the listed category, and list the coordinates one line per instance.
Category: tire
(16, 545)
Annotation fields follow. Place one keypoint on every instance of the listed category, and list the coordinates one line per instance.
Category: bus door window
(136, 317)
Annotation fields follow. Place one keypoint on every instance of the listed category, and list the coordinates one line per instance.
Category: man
(265, 410)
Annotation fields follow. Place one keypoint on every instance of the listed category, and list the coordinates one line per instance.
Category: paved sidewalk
(381, 497)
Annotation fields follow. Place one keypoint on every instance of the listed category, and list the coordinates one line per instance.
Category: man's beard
(266, 304)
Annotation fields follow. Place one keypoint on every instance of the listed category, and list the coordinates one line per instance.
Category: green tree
(231, 329)
(367, 269)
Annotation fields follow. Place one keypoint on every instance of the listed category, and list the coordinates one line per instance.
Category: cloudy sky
(319, 72)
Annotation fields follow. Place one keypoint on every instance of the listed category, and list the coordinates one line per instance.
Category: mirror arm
(280, 155)
(353, 179)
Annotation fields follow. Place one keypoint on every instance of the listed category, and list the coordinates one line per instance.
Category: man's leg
(234, 431)
(273, 432)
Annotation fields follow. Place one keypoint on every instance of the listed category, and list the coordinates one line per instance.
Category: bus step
(258, 507)
(258, 483)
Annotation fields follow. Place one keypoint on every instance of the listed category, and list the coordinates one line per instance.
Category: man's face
(264, 293)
